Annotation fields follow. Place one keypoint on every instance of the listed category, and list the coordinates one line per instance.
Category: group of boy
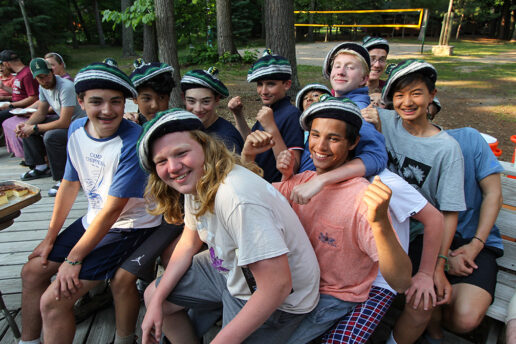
(342, 148)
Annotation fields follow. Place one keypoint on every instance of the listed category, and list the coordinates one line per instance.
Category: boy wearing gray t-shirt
(431, 161)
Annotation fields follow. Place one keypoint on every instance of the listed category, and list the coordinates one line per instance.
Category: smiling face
(150, 102)
(411, 102)
(202, 103)
(105, 110)
(378, 63)
(347, 74)
(270, 91)
(328, 144)
(179, 161)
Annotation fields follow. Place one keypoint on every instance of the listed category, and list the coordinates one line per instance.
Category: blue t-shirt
(109, 167)
(371, 147)
(226, 132)
(286, 117)
(479, 162)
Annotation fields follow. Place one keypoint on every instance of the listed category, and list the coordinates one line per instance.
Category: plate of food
(4, 103)
(20, 111)
(15, 195)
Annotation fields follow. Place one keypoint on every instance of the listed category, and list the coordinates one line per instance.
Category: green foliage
(192, 19)
(227, 57)
(246, 19)
(202, 54)
(250, 56)
(141, 11)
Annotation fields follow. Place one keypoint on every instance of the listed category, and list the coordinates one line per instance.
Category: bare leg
(467, 308)
(35, 280)
(127, 302)
(58, 318)
(434, 328)
(411, 324)
(176, 324)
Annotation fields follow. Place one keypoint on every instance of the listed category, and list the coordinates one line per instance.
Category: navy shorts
(102, 262)
(484, 277)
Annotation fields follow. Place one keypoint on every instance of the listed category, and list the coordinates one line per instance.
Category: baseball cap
(39, 66)
(8, 55)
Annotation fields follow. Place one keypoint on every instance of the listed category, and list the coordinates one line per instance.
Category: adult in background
(6, 83)
(58, 65)
(47, 135)
(25, 88)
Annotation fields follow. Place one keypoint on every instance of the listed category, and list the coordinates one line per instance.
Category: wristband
(35, 129)
(78, 262)
(482, 241)
(11, 106)
(446, 265)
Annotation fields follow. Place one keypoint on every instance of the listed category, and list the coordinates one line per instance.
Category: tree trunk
(75, 45)
(310, 34)
(127, 33)
(505, 21)
(225, 41)
(279, 34)
(100, 32)
(513, 39)
(167, 44)
(81, 20)
(27, 28)
(150, 48)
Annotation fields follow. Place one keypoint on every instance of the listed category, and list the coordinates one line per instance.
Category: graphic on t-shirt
(325, 238)
(414, 172)
(216, 262)
(91, 185)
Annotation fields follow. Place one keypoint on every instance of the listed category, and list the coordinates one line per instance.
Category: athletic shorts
(141, 262)
(102, 262)
(483, 277)
(204, 289)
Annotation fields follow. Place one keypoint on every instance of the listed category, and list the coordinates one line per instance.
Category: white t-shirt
(109, 167)
(251, 222)
(405, 202)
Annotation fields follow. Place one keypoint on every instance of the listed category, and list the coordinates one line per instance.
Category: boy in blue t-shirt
(102, 161)
(272, 74)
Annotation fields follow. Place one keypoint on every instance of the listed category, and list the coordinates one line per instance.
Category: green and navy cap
(204, 79)
(404, 68)
(371, 43)
(270, 67)
(330, 107)
(39, 66)
(143, 71)
(165, 122)
(355, 47)
(308, 88)
(104, 75)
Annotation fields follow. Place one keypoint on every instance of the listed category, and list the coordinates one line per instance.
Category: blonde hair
(363, 63)
(218, 162)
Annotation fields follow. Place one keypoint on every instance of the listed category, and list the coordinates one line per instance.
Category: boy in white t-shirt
(102, 161)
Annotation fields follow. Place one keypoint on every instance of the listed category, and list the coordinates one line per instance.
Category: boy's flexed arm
(394, 263)
(68, 275)
(64, 201)
(266, 118)
(237, 108)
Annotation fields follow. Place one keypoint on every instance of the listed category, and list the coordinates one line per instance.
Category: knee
(466, 319)
(32, 273)
(122, 282)
(48, 305)
(419, 316)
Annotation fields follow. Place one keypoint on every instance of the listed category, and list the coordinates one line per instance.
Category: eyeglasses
(382, 60)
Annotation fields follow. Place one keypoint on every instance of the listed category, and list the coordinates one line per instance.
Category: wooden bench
(506, 281)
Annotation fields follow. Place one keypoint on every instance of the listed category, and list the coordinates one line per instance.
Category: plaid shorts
(359, 324)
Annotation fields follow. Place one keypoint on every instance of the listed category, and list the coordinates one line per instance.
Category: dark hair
(410, 79)
(352, 135)
(162, 84)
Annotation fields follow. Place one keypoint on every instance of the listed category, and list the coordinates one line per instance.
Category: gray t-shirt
(62, 95)
(433, 165)
(251, 222)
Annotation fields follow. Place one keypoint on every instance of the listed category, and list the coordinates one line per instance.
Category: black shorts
(483, 277)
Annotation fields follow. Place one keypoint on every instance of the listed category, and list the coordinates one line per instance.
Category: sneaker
(35, 174)
(53, 190)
